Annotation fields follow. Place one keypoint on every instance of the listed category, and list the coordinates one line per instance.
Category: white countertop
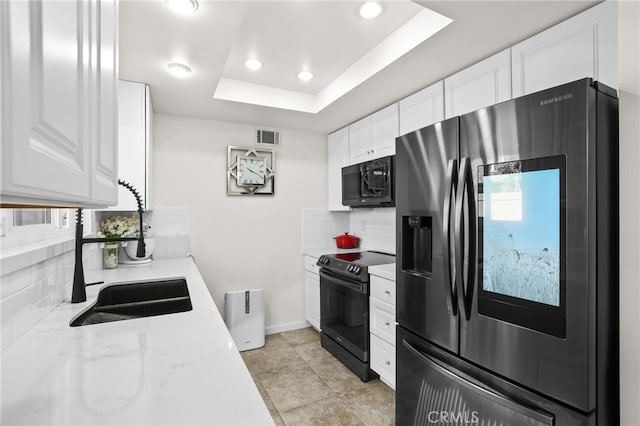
(181, 369)
(387, 271)
(317, 252)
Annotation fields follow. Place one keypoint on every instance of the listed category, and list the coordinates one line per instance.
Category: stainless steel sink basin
(123, 301)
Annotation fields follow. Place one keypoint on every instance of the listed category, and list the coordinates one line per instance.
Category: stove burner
(348, 257)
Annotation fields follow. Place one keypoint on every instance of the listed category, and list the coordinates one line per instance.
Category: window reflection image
(521, 235)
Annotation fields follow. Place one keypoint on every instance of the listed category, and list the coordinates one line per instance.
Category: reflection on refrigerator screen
(521, 235)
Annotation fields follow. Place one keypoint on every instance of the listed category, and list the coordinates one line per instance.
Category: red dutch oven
(346, 241)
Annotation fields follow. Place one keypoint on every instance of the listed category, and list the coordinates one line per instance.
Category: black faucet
(79, 293)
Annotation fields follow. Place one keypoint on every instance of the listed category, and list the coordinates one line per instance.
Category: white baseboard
(280, 328)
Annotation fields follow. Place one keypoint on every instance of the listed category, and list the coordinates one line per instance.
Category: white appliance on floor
(244, 317)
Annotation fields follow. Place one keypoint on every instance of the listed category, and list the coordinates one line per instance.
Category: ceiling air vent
(270, 138)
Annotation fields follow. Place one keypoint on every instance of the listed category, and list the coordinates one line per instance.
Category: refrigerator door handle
(472, 385)
(449, 267)
(465, 237)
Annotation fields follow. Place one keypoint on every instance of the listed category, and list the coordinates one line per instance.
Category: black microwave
(369, 184)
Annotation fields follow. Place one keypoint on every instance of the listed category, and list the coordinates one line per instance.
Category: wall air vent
(268, 138)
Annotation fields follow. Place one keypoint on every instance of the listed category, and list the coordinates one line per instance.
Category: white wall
(242, 242)
(629, 94)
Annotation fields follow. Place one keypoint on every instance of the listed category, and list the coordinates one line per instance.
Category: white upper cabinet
(105, 77)
(585, 45)
(338, 157)
(374, 136)
(385, 131)
(135, 143)
(422, 109)
(485, 83)
(360, 140)
(59, 69)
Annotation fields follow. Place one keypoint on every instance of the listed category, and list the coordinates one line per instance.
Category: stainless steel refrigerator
(507, 265)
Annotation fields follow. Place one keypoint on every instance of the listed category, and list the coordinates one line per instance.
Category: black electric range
(344, 307)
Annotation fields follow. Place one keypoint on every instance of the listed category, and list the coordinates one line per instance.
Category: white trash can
(244, 316)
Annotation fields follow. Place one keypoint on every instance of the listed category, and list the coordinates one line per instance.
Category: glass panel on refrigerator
(521, 233)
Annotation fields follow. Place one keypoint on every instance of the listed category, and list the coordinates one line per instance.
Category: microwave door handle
(449, 268)
(465, 241)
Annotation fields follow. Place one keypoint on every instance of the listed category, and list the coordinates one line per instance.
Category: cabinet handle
(387, 362)
(387, 292)
(387, 323)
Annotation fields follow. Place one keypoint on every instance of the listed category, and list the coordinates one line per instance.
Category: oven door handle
(358, 288)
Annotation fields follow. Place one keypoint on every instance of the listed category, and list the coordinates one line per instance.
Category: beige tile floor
(302, 384)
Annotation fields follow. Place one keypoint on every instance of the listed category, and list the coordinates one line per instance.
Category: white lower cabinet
(383, 360)
(312, 291)
(382, 328)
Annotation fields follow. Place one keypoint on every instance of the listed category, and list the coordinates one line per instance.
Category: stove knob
(350, 268)
(357, 269)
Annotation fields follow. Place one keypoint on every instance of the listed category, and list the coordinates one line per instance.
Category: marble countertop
(387, 271)
(181, 369)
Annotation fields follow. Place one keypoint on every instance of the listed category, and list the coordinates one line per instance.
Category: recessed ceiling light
(183, 7)
(305, 75)
(370, 10)
(253, 64)
(179, 70)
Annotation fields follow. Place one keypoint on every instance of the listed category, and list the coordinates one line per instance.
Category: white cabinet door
(149, 200)
(57, 86)
(422, 109)
(45, 79)
(360, 140)
(104, 176)
(312, 299)
(485, 83)
(134, 161)
(382, 320)
(383, 360)
(585, 45)
(385, 131)
(338, 157)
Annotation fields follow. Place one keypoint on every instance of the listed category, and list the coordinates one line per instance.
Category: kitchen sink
(136, 299)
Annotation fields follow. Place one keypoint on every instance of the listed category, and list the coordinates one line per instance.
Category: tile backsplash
(376, 228)
(171, 227)
(319, 226)
(33, 283)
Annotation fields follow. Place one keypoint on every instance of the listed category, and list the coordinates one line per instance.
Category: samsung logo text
(556, 99)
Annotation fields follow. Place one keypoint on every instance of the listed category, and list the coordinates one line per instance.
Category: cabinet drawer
(310, 264)
(382, 320)
(383, 289)
(383, 360)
